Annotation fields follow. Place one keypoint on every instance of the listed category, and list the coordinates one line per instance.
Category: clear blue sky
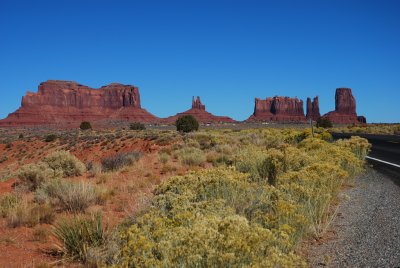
(226, 51)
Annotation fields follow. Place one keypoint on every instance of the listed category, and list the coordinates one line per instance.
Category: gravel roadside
(367, 228)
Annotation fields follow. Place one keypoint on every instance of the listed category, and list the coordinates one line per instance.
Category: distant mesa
(345, 108)
(198, 110)
(278, 109)
(65, 102)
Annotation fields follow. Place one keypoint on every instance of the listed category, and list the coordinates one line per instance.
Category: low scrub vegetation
(255, 211)
(80, 234)
(117, 161)
(64, 164)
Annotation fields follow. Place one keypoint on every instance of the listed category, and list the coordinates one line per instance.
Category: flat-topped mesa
(345, 108)
(279, 109)
(67, 102)
(198, 111)
(71, 94)
(313, 109)
(196, 104)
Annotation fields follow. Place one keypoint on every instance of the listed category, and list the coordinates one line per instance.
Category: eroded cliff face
(313, 109)
(198, 110)
(279, 109)
(345, 108)
(64, 102)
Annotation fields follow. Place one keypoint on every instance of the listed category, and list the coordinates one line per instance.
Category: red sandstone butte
(67, 102)
(345, 108)
(198, 110)
(278, 109)
(313, 109)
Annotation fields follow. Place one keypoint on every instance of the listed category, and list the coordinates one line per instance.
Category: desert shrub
(50, 138)
(8, 202)
(137, 126)
(359, 146)
(204, 140)
(163, 157)
(65, 164)
(94, 169)
(40, 234)
(191, 156)
(21, 136)
(30, 214)
(79, 234)
(270, 166)
(3, 159)
(118, 161)
(68, 196)
(85, 125)
(324, 122)
(33, 175)
(187, 123)
(209, 219)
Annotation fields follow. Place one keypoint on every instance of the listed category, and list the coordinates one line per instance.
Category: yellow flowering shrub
(236, 216)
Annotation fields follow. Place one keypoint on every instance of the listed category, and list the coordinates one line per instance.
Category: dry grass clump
(28, 214)
(120, 160)
(69, 196)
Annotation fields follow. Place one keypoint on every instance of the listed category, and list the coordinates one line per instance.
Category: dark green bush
(187, 123)
(50, 138)
(85, 125)
(137, 126)
(324, 122)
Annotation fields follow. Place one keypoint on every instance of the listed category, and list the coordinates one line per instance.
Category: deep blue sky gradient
(226, 51)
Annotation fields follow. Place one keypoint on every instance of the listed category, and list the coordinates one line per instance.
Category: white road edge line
(376, 159)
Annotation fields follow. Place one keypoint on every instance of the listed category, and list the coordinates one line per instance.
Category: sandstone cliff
(66, 102)
(313, 109)
(278, 109)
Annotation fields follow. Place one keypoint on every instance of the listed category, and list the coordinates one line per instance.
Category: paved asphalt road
(385, 148)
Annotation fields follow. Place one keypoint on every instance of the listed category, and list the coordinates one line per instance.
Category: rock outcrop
(198, 110)
(66, 102)
(313, 109)
(278, 109)
(345, 108)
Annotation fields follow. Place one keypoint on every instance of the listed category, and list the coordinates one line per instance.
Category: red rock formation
(279, 109)
(345, 108)
(198, 110)
(313, 109)
(65, 102)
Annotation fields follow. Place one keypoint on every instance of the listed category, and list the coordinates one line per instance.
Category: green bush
(191, 156)
(33, 175)
(85, 125)
(324, 122)
(137, 126)
(79, 234)
(65, 164)
(50, 138)
(117, 161)
(187, 123)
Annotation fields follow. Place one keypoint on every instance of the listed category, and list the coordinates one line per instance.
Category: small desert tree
(187, 123)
